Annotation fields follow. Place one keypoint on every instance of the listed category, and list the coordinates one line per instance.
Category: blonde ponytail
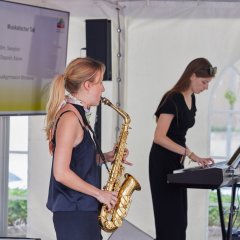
(56, 97)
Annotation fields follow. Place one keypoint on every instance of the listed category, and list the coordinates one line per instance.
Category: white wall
(161, 38)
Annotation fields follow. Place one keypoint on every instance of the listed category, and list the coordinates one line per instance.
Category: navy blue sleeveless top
(83, 163)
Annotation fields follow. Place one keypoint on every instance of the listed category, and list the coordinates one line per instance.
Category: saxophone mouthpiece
(105, 101)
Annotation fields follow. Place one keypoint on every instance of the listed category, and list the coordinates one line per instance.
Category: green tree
(231, 97)
(17, 206)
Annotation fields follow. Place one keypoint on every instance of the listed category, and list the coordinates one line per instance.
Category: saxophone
(110, 220)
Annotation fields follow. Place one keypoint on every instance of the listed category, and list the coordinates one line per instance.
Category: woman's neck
(78, 100)
(187, 93)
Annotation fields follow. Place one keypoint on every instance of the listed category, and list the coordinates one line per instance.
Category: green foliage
(213, 217)
(17, 206)
(231, 97)
(223, 129)
(213, 214)
(17, 192)
(218, 129)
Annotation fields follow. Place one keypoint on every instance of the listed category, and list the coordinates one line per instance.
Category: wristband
(190, 154)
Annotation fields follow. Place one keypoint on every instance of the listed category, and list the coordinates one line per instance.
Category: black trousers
(170, 214)
(169, 201)
(77, 225)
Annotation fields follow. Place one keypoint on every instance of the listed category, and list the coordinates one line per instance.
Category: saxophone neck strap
(82, 112)
(98, 147)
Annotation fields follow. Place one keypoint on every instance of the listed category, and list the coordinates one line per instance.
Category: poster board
(33, 50)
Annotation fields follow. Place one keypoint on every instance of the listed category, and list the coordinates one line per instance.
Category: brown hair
(77, 72)
(200, 66)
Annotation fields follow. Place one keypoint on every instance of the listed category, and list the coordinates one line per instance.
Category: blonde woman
(74, 191)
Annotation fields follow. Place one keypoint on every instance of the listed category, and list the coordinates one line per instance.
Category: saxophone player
(74, 189)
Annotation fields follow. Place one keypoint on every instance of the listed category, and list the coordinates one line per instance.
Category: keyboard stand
(221, 215)
(227, 234)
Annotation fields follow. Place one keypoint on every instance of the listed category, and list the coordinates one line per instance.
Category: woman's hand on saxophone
(110, 156)
(108, 198)
(125, 155)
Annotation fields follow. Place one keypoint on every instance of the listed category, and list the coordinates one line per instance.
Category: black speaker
(98, 43)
